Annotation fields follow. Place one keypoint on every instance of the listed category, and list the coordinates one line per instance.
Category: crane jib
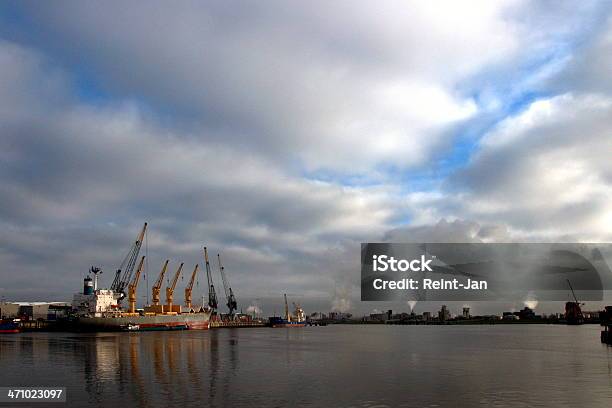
(212, 295)
(124, 273)
(232, 304)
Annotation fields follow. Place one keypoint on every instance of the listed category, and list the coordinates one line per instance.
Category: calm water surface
(334, 366)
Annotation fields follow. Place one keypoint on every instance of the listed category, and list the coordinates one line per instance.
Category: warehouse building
(34, 310)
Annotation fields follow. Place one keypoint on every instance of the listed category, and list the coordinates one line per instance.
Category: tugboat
(9, 326)
(298, 319)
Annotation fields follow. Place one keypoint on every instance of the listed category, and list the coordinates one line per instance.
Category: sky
(284, 134)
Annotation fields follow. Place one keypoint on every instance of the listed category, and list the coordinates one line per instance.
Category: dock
(233, 324)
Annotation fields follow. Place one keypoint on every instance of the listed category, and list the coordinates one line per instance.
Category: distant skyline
(285, 134)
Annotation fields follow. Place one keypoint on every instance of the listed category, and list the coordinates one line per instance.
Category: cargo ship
(297, 319)
(9, 326)
(183, 321)
(97, 309)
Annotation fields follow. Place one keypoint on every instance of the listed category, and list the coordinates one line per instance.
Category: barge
(9, 326)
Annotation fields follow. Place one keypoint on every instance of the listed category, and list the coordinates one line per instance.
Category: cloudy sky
(284, 134)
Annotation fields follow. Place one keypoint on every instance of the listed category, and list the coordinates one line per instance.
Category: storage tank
(88, 288)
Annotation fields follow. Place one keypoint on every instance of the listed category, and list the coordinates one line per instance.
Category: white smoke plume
(342, 299)
(412, 304)
(531, 301)
(254, 310)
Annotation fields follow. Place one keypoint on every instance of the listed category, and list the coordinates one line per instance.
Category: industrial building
(444, 314)
(34, 310)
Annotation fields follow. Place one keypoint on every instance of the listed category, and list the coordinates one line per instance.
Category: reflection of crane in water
(158, 361)
(192, 366)
(573, 312)
(214, 366)
(222, 374)
(134, 350)
(170, 343)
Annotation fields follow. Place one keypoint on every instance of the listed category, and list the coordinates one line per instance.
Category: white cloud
(342, 87)
(546, 170)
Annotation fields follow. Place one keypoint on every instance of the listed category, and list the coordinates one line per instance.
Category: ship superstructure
(94, 302)
(297, 319)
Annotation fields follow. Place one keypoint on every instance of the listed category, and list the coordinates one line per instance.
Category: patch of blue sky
(87, 88)
(500, 93)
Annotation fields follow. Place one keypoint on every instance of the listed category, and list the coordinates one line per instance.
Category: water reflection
(333, 366)
(174, 367)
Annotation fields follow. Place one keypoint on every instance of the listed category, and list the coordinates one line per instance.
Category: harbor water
(333, 366)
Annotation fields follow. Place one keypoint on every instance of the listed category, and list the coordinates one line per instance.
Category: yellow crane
(158, 283)
(134, 285)
(189, 287)
(170, 288)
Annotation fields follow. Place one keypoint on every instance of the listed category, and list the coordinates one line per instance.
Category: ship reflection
(177, 367)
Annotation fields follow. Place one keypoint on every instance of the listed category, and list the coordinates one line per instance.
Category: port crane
(572, 289)
(287, 315)
(123, 275)
(189, 288)
(171, 287)
(134, 285)
(212, 295)
(573, 312)
(158, 283)
(232, 305)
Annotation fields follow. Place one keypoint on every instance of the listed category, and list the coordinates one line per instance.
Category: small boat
(9, 326)
(130, 327)
(297, 319)
(281, 322)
